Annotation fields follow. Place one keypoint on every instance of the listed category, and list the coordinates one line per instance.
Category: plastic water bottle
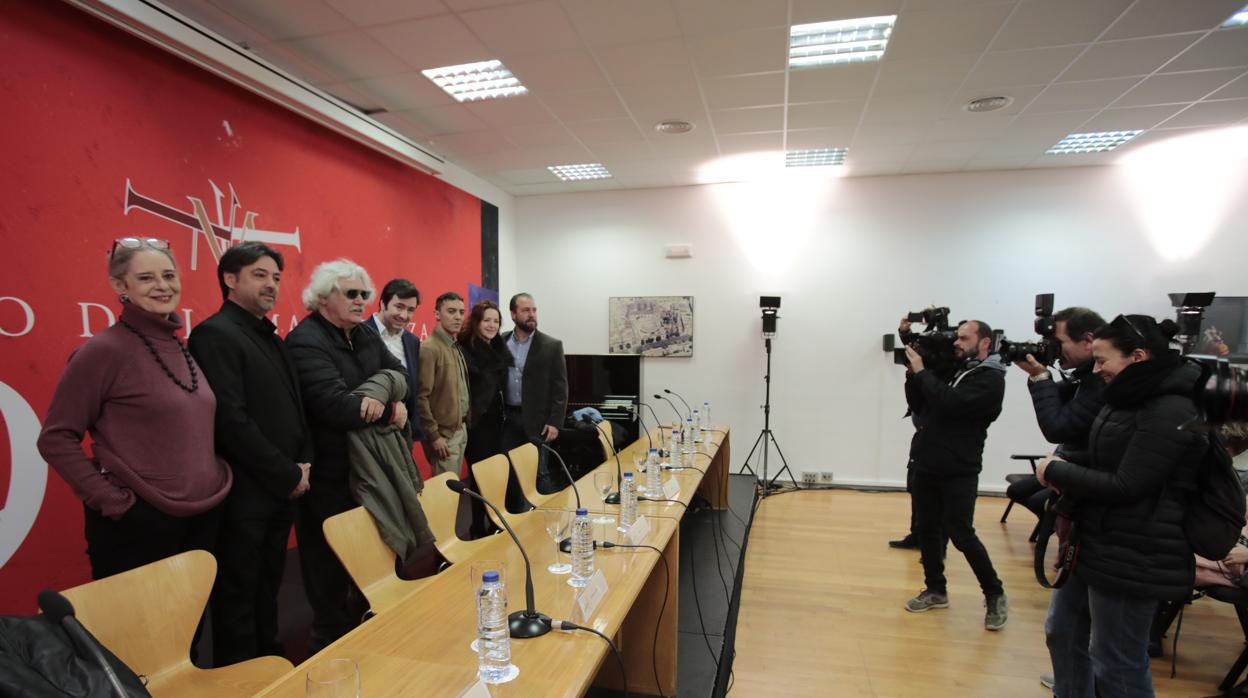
(654, 475)
(582, 549)
(628, 502)
(706, 422)
(493, 636)
(697, 425)
(676, 456)
(688, 437)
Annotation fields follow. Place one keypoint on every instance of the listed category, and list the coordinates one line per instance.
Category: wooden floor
(821, 610)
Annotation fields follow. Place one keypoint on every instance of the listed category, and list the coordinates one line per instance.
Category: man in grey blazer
(536, 394)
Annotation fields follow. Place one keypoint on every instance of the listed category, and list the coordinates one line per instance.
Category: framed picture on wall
(651, 325)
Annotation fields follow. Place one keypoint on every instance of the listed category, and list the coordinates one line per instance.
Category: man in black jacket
(262, 434)
(334, 351)
(946, 454)
(536, 394)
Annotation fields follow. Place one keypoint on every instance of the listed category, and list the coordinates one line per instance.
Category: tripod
(767, 439)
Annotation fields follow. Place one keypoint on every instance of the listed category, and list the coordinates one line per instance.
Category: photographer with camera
(951, 416)
(1129, 506)
(1064, 410)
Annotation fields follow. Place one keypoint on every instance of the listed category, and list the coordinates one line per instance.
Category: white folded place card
(637, 532)
(671, 488)
(477, 690)
(591, 596)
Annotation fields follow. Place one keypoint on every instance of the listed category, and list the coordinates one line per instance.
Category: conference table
(421, 645)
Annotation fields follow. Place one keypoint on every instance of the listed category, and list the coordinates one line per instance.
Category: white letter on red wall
(86, 317)
(28, 473)
(30, 317)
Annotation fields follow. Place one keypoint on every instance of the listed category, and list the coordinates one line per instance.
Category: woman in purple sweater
(152, 482)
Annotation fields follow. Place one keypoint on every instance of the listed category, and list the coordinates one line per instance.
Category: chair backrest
(491, 477)
(354, 538)
(524, 462)
(608, 452)
(441, 507)
(147, 616)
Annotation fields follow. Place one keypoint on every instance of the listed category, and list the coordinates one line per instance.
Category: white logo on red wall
(28, 476)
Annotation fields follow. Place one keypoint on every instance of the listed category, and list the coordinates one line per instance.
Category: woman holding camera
(1128, 515)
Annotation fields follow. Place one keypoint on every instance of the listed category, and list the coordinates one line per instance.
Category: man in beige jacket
(442, 398)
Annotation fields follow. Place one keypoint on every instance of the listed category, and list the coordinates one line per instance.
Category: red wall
(88, 108)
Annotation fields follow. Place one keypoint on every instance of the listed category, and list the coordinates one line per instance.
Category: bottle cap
(490, 577)
(628, 474)
(654, 450)
(582, 512)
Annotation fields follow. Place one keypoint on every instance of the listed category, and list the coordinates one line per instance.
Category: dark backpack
(1215, 506)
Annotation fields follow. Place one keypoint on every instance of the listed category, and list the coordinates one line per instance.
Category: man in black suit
(399, 300)
(536, 394)
(262, 433)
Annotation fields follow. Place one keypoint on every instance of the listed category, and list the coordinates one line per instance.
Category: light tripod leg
(745, 467)
(772, 484)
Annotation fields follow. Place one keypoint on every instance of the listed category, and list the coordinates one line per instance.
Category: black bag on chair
(38, 658)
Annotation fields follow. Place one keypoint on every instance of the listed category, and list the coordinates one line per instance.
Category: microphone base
(613, 498)
(523, 626)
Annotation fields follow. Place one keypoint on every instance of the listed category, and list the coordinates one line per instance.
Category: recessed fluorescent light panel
(1238, 19)
(843, 41)
(476, 81)
(816, 157)
(578, 173)
(1101, 142)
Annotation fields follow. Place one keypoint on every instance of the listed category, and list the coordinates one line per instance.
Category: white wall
(849, 257)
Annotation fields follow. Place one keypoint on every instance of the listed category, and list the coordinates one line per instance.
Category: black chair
(1014, 478)
(1238, 597)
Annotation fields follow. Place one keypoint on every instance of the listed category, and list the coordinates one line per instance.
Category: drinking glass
(475, 571)
(639, 472)
(604, 480)
(336, 678)
(558, 521)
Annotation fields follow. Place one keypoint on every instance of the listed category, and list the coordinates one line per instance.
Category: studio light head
(771, 308)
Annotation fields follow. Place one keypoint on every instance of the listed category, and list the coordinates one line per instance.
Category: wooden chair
(147, 617)
(354, 539)
(524, 461)
(441, 507)
(491, 476)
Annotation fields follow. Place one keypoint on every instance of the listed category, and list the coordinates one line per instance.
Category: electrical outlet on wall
(810, 478)
(825, 477)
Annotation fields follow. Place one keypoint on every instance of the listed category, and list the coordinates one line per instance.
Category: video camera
(1048, 350)
(1222, 392)
(934, 344)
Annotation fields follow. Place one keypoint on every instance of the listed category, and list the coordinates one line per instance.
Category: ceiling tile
(511, 111)
(744, 90)
(611, 22)
(538, 136)
(750, 142)
(964, 150)
(566, 71)
(697, 143)
(535, 175)
(641, 64)
(805, 139)
(1219, 113)
(1029, 67)
(1171, 88)
(516, 30)
(964, 126)
(953, 164)
(701, 17)
(294, 62)
(1036, 23)
(1152, 17)
(604, 131)
(348, 92)
(887, 152)
(1221, 49)
(469, 5)
(809, 11)
(623, 151)
(220, 21)
(351, 55)
(872, 133)
(286, 19)
(838, 82)
(1031, 131)
(899, 76)
(581, 106)
(1116, 59)
(890, 109)
(652, 103)
(538, 189)
(363, 14)
(825, 115)
(748, 120)
(1239, 88)
(405, 126)
(471, 143)
(565, 155)
(452, 118)
(432, 43)
(756, 51)
(947, 31)
(1022, 95)
(405, 91)
(1073, 96)
(1131, 118)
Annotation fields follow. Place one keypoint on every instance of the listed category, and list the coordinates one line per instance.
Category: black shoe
(908, 543)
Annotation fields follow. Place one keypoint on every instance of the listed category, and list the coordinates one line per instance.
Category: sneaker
(926, 601)
(908, 543)
(1046, 680)
(998, 611)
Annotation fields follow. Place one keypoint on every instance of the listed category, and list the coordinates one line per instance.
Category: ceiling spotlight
(673, 126)
(984, 104)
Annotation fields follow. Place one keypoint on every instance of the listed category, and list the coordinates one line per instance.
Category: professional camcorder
(1222, 391)
(934, 344)
(1048, 349)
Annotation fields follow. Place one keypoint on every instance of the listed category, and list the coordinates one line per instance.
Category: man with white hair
(334, 352)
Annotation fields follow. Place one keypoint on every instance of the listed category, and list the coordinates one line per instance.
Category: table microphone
(59, 610)
(565, 545)
(688, 409)
(679, 417)
(614, 497)
(522, 624)
(655, 415)
(637, 413)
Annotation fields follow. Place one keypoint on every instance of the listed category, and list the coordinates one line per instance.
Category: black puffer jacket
(1129, 510)
(951, 419)
(1065, 411)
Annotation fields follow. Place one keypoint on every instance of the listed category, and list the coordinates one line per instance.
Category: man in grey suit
(536, 394)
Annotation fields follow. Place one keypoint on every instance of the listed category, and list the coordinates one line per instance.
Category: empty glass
(558, 522)
(335, 678)
(475, 570)
(604, 481)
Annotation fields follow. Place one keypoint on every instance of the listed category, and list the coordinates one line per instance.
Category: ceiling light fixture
(1100, 142)
(983, 104)
(816, 157)
(1238, 19)
(673, 126)
(577, 173)
(475, 81)
(843, 41)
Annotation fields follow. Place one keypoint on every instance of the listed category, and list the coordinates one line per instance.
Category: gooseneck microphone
(655, 415)
(565, 472)
(59, 610)
(642, 422)
(614, 497)
(679, 417)
(688, 409)
(522, 624)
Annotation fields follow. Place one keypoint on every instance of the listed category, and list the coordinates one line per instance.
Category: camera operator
(946, 455)
(1064, 410)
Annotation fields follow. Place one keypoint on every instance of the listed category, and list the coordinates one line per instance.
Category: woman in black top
(488, 359)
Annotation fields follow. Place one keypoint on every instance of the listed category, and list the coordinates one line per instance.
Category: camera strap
(1068, 548)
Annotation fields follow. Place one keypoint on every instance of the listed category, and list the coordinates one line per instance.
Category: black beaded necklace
(190, 365)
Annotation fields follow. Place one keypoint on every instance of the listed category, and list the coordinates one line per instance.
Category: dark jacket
(487, 376)
(1066, 410)
(544, 395)
(329, 369)
(260, 426)
(951, 419)
(1129, 512)
(411, 354)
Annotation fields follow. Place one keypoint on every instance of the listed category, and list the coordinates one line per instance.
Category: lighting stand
(767, 440)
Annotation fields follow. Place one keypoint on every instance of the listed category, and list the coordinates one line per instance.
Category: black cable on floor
(693, 572)
(667, 580)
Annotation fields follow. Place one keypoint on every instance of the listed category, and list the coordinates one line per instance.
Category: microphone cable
(569, 626)
(667, 580)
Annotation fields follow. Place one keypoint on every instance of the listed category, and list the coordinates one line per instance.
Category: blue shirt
(515, 375)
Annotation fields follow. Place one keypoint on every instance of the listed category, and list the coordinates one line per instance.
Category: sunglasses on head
(354, 293)
(1124, 321)
(133, 243)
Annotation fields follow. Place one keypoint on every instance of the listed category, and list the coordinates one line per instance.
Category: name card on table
(637, 532)
(590, 597)
(477, 690)
(671, 489)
